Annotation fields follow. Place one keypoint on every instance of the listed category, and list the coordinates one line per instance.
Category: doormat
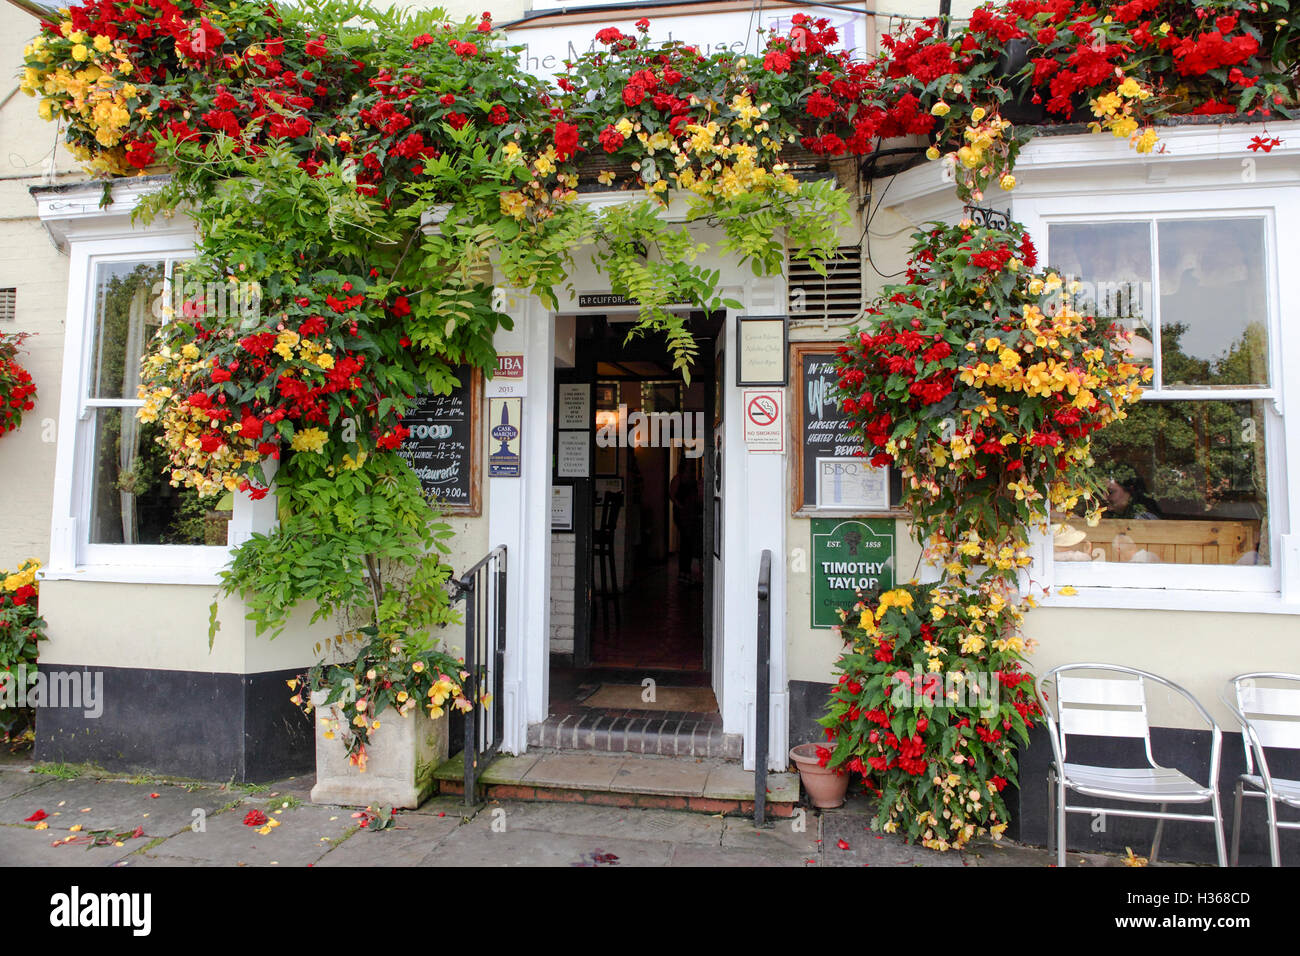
(628, 697)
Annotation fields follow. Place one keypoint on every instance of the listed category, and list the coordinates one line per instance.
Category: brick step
(662, 733)
(672, 783)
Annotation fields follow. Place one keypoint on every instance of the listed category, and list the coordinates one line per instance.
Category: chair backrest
(1271, 712)
(610, 506)
(1094, 705)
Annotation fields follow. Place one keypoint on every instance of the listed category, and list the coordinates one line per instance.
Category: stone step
(666, 734)
(675, 783)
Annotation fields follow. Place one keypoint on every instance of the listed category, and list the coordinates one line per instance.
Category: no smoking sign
(764, 419)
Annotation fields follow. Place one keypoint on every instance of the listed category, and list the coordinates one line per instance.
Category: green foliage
(348, 542)
(935, 742)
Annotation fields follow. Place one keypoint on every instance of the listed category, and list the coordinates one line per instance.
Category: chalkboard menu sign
(442, 448)
(823, 439)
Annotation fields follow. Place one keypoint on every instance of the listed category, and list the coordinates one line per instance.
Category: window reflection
(1112, 261)
(1186, 483)
(124, 323)
(1213, 303)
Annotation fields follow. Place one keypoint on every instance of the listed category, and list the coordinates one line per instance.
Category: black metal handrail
(763, 687)
(483, 589)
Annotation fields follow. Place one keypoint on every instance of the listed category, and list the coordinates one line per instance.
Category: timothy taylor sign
(848, 556)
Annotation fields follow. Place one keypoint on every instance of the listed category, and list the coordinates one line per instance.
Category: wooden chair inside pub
(602, 555)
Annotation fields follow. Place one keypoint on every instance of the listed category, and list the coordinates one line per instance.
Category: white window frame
(94, 237)
(1219, 587)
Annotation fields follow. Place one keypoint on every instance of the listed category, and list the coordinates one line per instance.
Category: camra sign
(848, 557)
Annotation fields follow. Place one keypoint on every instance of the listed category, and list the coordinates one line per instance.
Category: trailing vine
(364, 175)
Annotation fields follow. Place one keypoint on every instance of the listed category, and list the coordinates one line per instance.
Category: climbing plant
(376, 179)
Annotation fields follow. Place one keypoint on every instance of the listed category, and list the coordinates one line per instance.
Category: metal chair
(1269, 717)
(1116, 707)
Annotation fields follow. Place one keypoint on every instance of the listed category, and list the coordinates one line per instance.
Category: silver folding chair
(1269, 717)
(1116, 706)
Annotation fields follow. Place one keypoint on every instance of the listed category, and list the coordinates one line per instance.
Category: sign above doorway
(612, 300)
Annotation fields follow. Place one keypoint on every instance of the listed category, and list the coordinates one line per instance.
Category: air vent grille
(8, 305)
(833, 298)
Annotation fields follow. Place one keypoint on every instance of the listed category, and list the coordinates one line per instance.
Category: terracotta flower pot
(825, 787)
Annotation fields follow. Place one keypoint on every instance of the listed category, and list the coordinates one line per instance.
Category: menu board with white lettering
(441, 447)
(824, 439)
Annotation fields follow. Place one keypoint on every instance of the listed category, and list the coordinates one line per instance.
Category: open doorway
(633, 532)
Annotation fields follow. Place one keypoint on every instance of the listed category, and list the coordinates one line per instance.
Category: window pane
(1213, 303)
(1186, 486)
(1112, 261)
(125, 294)
(132, 500)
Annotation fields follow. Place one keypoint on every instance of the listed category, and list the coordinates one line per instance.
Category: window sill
(1169, 599)
(137, 574)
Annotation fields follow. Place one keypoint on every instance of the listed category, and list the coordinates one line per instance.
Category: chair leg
(1051, 810)
(1220, 845)
(1060, 822)
(613, 579)
(1274, 849)
(1236, 825)
(1160, 829)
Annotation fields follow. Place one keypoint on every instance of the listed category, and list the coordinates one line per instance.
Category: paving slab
(305, 834)
(505, 769)
(99, 805)
(680, 777)
(731, 781)
(299, 788)
(613, 822)
(25, 846)
(412, 839)
(449, 805)
(874, 849)
(741, 834)
(148, 861)
(775, 856)
(13, 782)
(474, 844)
(574, 771)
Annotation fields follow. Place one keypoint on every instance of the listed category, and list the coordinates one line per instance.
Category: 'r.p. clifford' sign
(545, 48)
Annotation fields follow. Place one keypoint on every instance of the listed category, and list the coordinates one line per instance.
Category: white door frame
(754, 490)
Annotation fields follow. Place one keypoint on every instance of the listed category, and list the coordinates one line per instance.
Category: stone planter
(825, 788)
(401, 758)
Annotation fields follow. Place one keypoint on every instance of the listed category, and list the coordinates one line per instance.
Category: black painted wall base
(213, 726)
(1186, 750)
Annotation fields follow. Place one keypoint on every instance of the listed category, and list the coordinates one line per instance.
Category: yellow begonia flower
(310, 439)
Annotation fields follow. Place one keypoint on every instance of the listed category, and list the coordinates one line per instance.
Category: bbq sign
(849, 557)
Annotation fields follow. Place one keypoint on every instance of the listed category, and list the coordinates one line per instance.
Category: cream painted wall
(165, 627)
(159, 626)
(31, 264)
(1199, 650)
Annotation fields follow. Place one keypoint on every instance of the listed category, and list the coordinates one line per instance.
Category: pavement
(57, 815)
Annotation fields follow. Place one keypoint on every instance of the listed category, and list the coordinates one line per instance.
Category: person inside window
(1128, 499)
